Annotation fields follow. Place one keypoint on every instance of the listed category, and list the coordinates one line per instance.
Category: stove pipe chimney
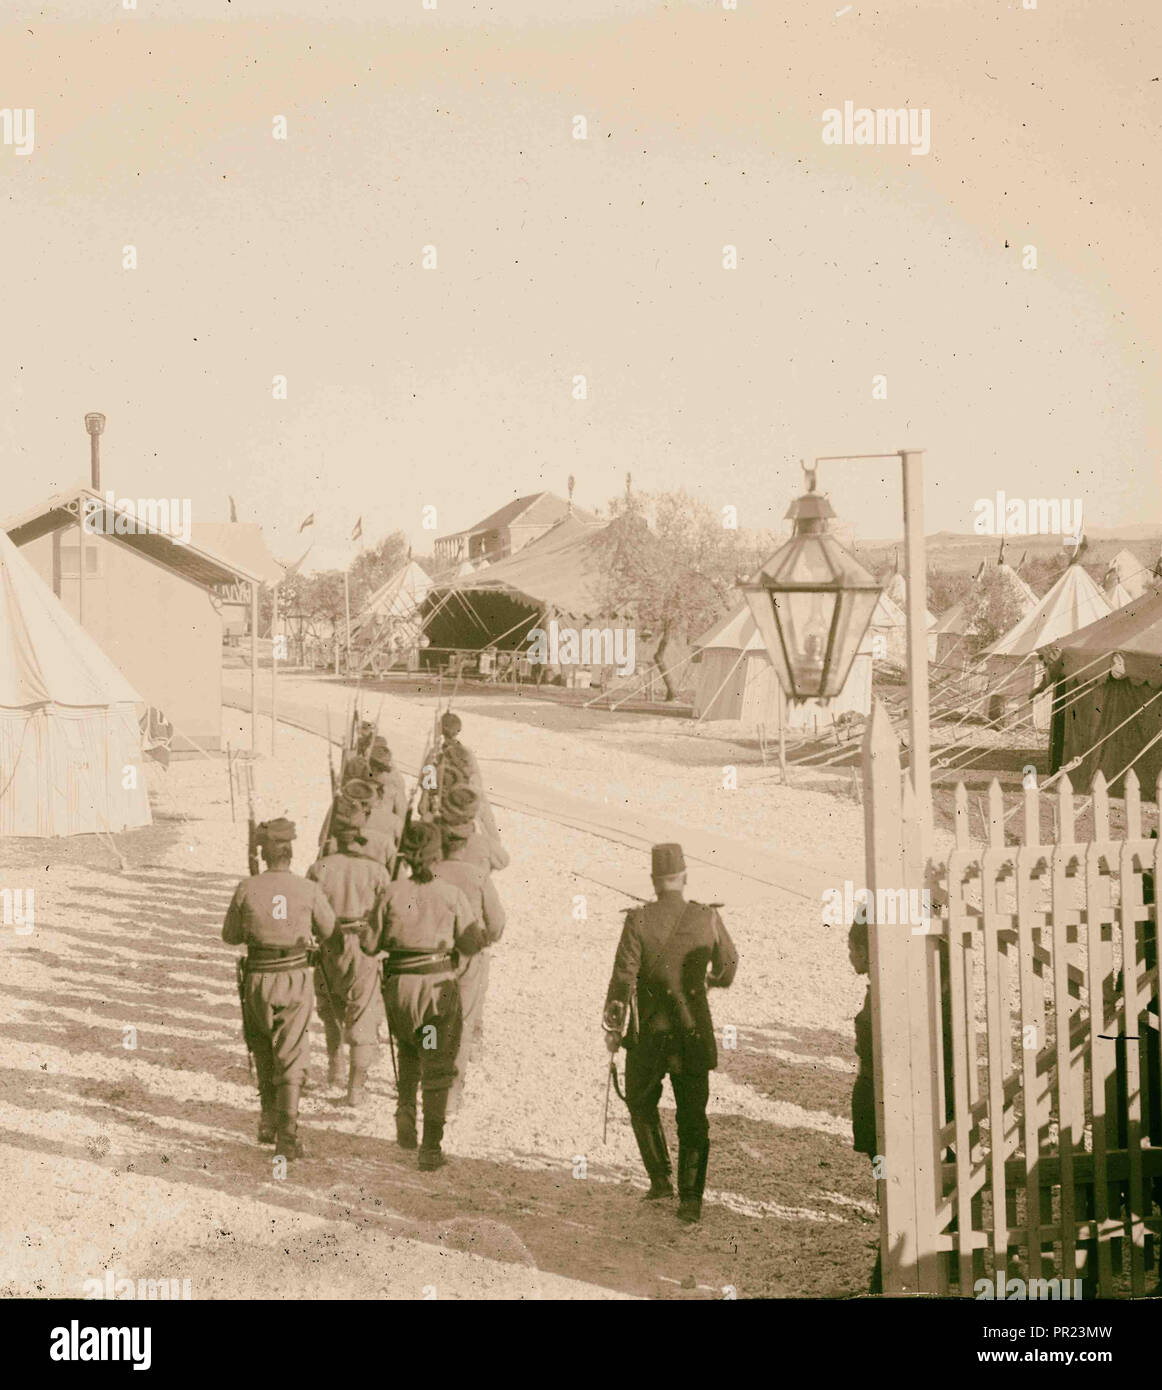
(95, 423)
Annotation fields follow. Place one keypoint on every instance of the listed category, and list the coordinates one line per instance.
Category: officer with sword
(670, 951)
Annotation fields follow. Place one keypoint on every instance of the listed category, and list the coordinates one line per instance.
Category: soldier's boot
(288, 1144)
(268, 1120)
(335, 1067)
(405, 1127)
(407, 1084)
(692, 1161)
(361, 1055)
(651, 1142)
(431, 1156)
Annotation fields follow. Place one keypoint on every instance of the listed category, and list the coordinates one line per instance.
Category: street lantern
(812, 603)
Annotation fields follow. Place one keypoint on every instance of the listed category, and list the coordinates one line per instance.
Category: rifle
(413, 806)
(240, 980)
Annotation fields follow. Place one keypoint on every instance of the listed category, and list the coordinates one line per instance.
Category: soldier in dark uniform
(475, 882)
(275, 914)
(666, 950)
(346, 980)
(428, 928)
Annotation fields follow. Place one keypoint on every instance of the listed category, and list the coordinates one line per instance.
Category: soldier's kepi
(670, 951)
(276, 915)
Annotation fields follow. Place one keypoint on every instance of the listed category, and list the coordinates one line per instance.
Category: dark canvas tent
(1135, 633)
(561, 574)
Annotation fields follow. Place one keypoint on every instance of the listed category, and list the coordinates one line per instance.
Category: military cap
(456, 755)
(450, 724)
(275, 832)
(666, 860)
(358, 789)
(422, 844)
(348, 813)
(459, 806)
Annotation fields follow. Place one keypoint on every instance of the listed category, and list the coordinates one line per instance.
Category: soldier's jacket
(665, 952)
(432, 916)
(483, 849)
(395, 794)
(355, 887)
(383, 821)
(475, 882)
(277, 908)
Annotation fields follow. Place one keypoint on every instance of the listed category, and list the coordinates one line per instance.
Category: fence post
(900, 1242)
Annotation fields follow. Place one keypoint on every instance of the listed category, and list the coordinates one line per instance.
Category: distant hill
(953, 553)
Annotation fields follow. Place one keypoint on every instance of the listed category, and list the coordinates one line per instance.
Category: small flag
(233, 509)
(358, 530)
(310, 521)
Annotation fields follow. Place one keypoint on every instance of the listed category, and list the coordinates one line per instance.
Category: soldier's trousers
(277, 1019)
(427, 1054)
(348, 999)
(473, 986)
(646, 1067)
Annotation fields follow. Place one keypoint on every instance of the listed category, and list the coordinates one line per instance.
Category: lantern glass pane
(805, 617)
(856, 607)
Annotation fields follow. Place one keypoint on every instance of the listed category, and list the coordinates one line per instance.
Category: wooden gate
(1016, 1041)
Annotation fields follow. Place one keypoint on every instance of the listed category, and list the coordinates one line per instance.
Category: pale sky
(452, 387)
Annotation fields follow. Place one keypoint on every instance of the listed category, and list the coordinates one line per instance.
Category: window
(70, 558)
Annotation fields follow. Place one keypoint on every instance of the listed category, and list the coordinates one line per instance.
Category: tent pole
(81, 562)
(254, 666)
(347, 611)
(782, 706)
(274, 672)
(916, 579)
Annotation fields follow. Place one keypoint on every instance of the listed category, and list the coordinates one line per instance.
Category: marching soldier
(460, 764)
(428, 927)
(475, 882)
(387, 776)
(275, 914)
(666, 950)
(346, 980)
(378, 842)
(459, 808)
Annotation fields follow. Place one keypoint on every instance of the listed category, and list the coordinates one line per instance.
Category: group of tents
(70, 723)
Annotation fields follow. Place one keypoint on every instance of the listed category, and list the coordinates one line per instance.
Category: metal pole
(274, 672)
(254, 667)
(916, 578)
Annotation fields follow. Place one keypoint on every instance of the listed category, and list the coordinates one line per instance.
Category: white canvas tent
(69, 727)
(896, 592)
(1072, 603)
(954, 627)
(391, 621)
(1130, 576)
(736, 681)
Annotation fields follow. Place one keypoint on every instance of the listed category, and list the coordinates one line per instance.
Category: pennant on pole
(358, 530)
(310, 521)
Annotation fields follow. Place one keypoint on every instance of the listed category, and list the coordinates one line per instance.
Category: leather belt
(418, 962)
(270, 964)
